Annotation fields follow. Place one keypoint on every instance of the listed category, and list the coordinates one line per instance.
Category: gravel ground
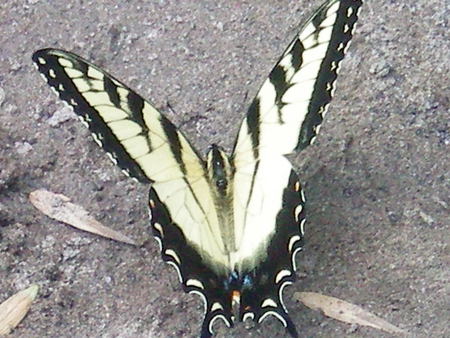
(377, 178)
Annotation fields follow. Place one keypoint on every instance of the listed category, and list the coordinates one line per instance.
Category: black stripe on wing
(286, 114)
(58, 78)
(175, 144)
(263, 296)
(324, 87)
(196, 275)
(252, 122)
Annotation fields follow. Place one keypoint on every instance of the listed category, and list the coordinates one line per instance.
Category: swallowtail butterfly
(230, 225)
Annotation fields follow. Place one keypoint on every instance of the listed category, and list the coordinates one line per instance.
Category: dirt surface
(377, 178)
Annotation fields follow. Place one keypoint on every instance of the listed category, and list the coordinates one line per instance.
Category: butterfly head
(219, 169)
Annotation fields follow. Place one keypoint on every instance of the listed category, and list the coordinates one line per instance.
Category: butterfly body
(230, 225)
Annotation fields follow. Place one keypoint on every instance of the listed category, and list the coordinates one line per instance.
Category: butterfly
(230, 225)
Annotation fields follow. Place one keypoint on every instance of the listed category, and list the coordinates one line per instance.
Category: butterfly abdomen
(220, 174)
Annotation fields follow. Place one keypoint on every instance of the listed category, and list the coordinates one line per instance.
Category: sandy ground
(377, 178)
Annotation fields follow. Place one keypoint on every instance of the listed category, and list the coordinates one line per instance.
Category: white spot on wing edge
(158, 227)
(195, 282)
(216, 306)
(297, 211)
(174, 255)
(292, 241)
(317, 128)
(150, 215)
(280, 293)
(41, 74)
(349, 11)
(280, 275)
(54, 90)
(176, 268)
(83, 121)
(358, 10)
(294, 265)
(302, 226)
(202, 296)
(302, 194)
(111, 157)
(213, 319)
(158, 240)
(275, 314)
(246, 315)
(268, 302)
(346, 28)
(41, 60)
(347, 46)
(334, 65)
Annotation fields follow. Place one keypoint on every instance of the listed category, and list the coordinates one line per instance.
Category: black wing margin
(140, 140)
(61, 80)
(347, 15)
(286, 114)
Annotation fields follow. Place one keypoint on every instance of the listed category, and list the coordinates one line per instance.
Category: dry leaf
(14, 309)
(58, 207)
(344, 311)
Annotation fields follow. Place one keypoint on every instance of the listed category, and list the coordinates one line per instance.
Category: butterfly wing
(284, 116)
(148, 147)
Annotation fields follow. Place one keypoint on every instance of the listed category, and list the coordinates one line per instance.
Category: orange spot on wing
(236, 296)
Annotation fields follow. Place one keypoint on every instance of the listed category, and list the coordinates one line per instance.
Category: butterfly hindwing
(195, 274)
(272, 274)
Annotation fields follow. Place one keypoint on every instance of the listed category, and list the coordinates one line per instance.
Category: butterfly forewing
(130, 129)
(287, 111)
